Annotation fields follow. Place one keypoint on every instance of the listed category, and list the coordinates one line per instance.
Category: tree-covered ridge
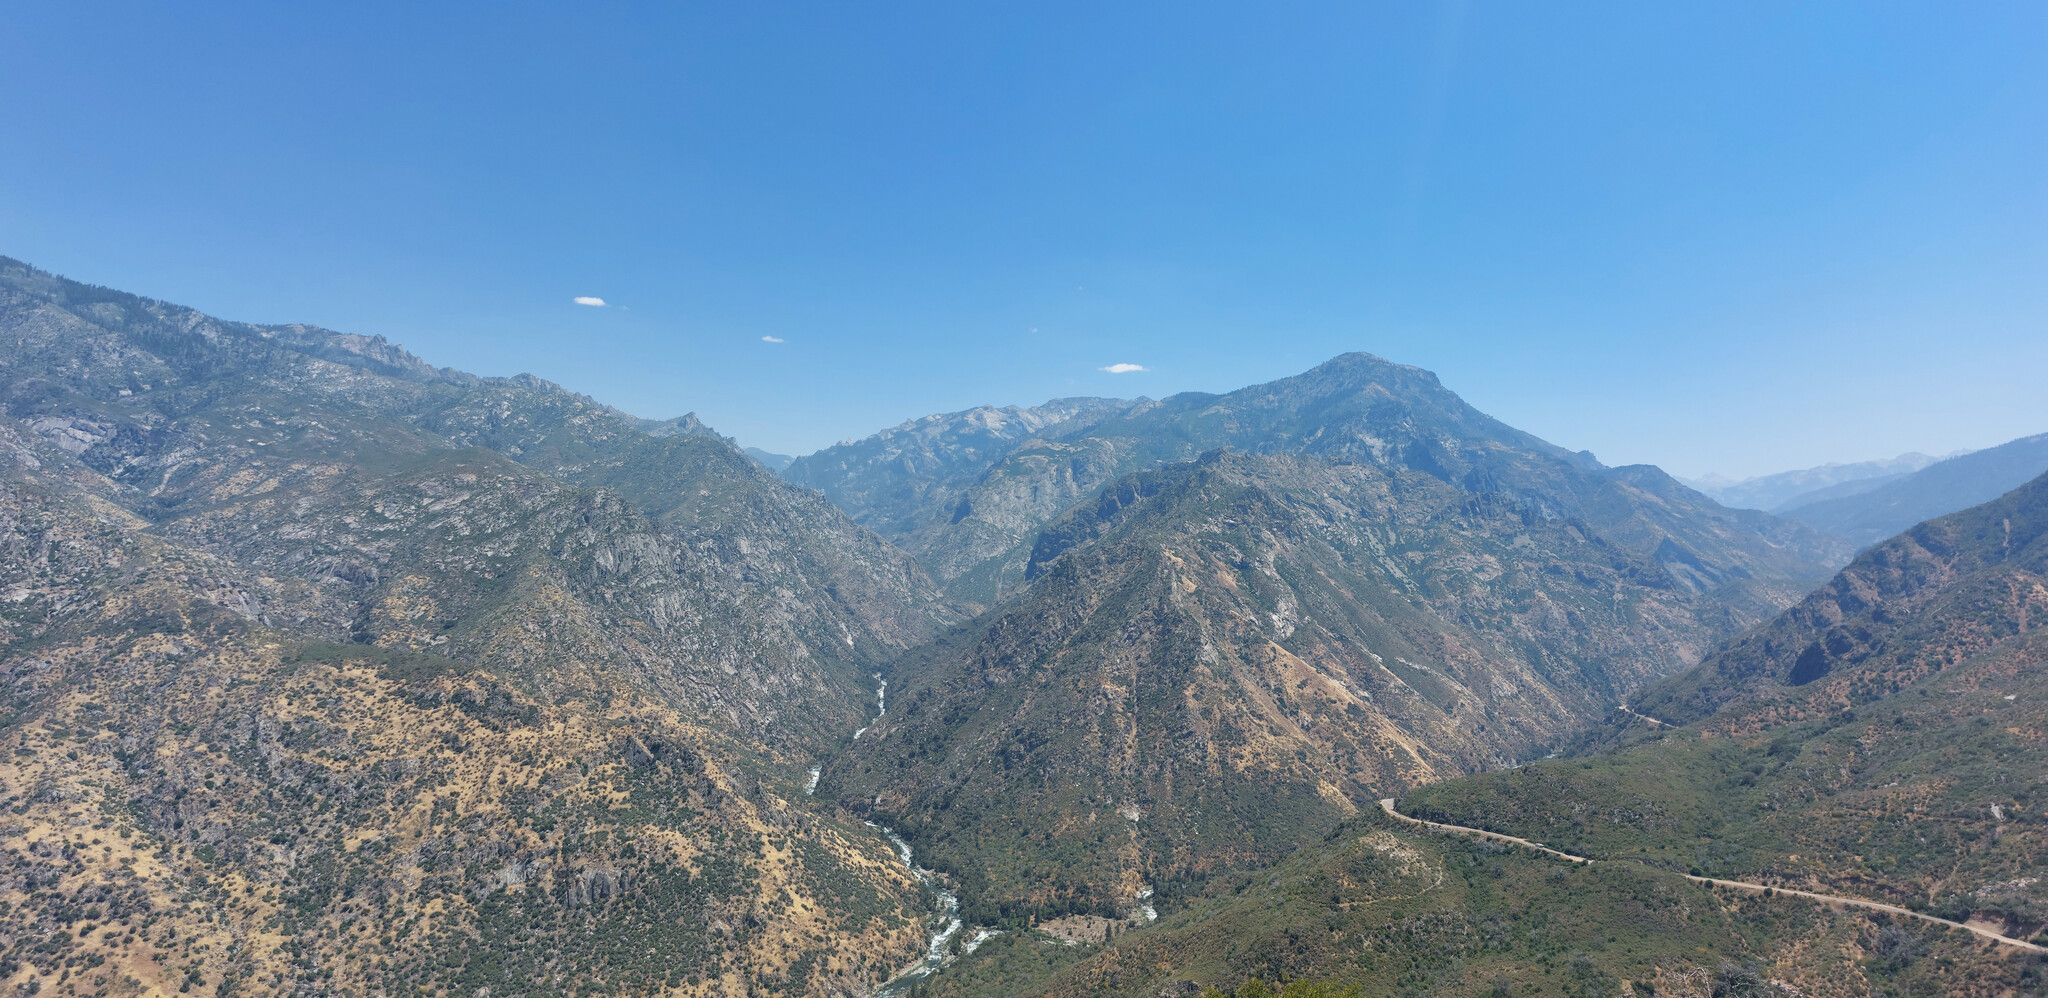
(1390, 911)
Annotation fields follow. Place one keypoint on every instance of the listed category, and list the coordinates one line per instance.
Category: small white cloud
(587, 300)
(771, 339)
(1121, 368)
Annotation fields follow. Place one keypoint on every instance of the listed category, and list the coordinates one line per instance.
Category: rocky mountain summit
(976, 533)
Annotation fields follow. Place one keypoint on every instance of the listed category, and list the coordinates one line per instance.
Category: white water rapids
(949, 921)
(881, 705)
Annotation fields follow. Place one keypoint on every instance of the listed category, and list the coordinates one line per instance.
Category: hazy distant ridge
(1791, 488)
(1936, 490)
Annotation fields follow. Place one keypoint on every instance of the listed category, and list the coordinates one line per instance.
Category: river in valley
(947, 923)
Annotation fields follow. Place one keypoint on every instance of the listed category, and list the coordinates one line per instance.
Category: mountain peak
(1359, 362)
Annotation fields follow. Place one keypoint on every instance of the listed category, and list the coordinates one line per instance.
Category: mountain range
(1217, 661)
(1866, 502)
(1793, 488)
(1869, 516)
(330, 671)
(995, 477)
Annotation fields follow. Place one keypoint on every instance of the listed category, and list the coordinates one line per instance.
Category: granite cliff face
(327, 669)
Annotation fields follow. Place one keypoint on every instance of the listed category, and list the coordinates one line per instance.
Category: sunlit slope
(1218, 661)
(1403, 913)
(1923, 601)
(1883, 739)
(971, 511)
(382, 677)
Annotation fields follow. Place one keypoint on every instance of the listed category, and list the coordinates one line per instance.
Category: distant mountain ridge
(1939, 489)
(1902, 610)
(770, 460)
(886, 478)
(1773, 493)
(974, 529)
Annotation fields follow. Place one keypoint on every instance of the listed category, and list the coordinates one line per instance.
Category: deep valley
(329, 671)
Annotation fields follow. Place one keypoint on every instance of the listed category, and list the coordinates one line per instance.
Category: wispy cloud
(771, 339)
(1121, 368)
(587, 300)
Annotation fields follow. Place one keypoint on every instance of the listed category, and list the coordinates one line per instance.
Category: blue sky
(1723, 236)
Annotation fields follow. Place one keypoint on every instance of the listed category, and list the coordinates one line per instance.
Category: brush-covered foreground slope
(976, 534)
(194, 799)
(383, 679)
(1218, 661)
(1404, 913)
(1883, 739)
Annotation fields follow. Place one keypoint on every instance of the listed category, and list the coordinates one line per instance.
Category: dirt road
(1387, 805)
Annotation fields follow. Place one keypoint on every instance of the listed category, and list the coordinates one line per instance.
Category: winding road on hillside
(1387, 805)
